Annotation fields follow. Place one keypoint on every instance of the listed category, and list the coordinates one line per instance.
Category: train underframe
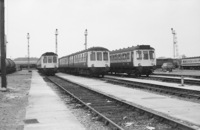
(48, 71)
(93, 71)
(136, 71)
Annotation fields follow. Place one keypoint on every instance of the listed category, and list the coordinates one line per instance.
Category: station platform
(46, 111)
(172, 77)
(180, 110)
(175, 85)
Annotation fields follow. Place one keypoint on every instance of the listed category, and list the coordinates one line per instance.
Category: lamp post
(86, 33)
(28, 37)
(2, 43)
(56, 34)
(174, 40)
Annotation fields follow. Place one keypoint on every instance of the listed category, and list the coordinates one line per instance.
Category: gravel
(84, 116)
(14, 101)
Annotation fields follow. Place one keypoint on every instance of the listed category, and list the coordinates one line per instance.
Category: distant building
(22, 62)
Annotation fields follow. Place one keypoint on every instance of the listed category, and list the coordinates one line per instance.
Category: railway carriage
(137, 60)
(191, 63)
(93, 61)
(48, 63)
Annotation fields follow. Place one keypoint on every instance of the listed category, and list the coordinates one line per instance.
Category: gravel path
(13, 102)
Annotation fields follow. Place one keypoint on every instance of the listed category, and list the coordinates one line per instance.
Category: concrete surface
(177, 85)
(182, 110)
(46, 111)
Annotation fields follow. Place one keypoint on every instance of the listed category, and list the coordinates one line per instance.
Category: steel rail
(107, 121)
(169, 120)
(181, 92)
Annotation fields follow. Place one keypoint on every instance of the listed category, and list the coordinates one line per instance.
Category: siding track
(178, 92)
(117, 114)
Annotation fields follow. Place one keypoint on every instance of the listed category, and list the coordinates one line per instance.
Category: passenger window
(139, 55)
(145, 55)
(128, 56)
(99, 56)
(54, 59)
(45, 59)
(92, 56)
(151, 54)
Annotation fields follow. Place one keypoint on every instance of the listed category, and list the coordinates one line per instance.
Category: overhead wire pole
(86, 33)
(2, 43)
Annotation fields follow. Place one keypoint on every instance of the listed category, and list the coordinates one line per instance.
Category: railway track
(178, 92)
(115, 113)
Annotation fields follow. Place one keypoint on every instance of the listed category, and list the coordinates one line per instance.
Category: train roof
(89, 49)
(49, 53)
(138, 47)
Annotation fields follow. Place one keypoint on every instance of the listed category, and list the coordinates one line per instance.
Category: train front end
(144, 60)
(98, 61)
(48, 63)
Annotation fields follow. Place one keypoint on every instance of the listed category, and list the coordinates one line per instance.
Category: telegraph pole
(86, 33)
(56, 34)
(2, 43)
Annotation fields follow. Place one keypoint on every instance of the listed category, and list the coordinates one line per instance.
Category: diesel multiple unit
(93, 61)
(137, 60)
(48, 63)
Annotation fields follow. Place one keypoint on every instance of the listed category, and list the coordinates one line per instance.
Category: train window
(105, 56)
(99, 56)
(111, 58)
(151, 54)
(45, 59)
(92, 56)
(124, 56)
(118, 56)
(145, 55)
(49, 59)
(127, 56)
(139, 55)
(54, 59)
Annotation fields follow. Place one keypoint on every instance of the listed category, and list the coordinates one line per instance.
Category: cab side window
(105, 56)
(139, 55)
(92, 56)
(45, 59)
(151, 54)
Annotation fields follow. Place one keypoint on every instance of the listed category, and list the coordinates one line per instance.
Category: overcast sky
(112, 24)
